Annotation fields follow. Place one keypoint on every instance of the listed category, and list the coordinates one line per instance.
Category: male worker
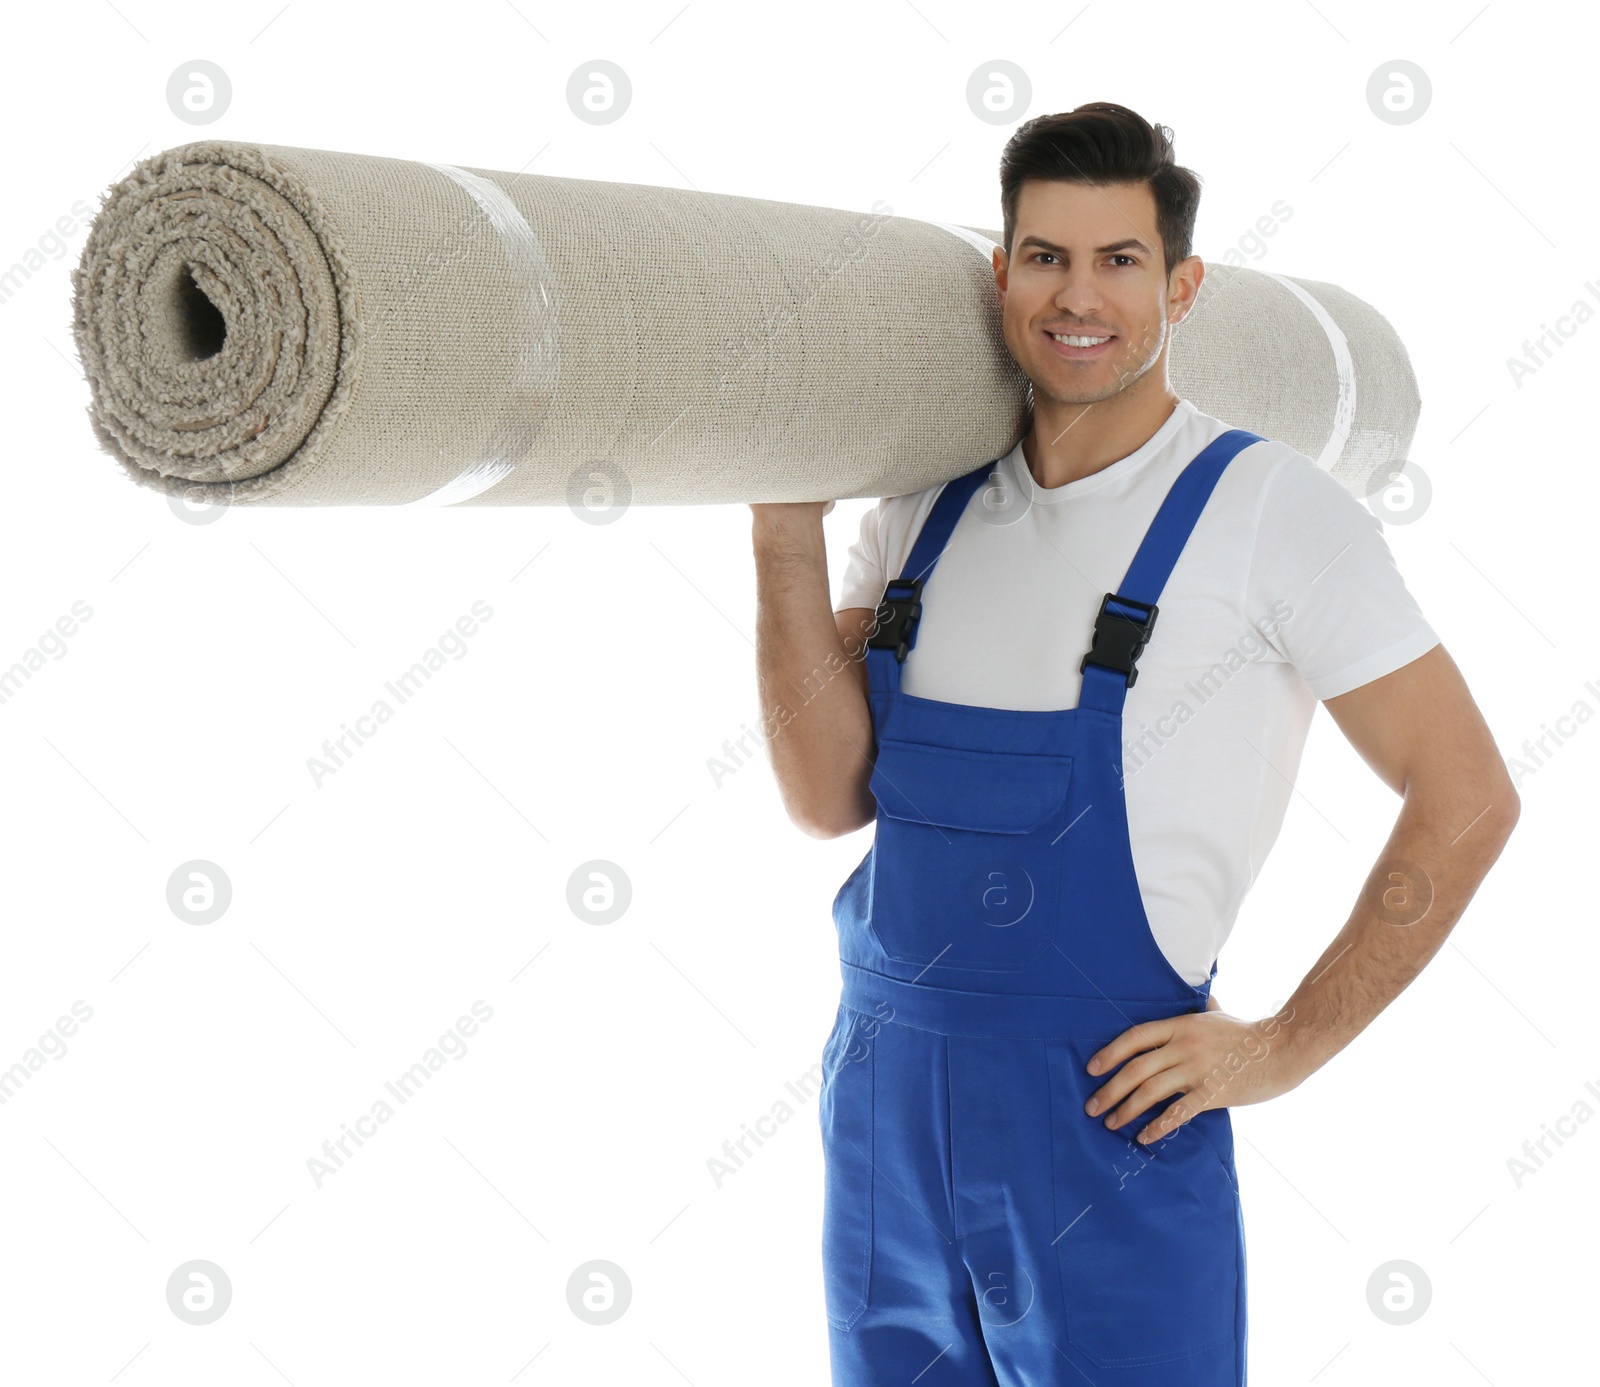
(1028, 1154)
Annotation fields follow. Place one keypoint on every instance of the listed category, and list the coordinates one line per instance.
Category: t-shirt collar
(1116, 471)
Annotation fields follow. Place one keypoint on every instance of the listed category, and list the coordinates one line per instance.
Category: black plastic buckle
(1118, 638)
(897, 617)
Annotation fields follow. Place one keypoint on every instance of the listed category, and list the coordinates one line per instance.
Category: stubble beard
(1138, 360)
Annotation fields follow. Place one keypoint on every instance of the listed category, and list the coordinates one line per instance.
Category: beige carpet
(271, 326)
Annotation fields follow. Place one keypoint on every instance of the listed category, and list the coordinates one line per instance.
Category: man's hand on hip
(1206, 1059)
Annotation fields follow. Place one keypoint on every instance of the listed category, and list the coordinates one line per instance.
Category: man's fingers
(1153, 1090)
(1136, 1039)
(1143, 1080)
(1168, 1122)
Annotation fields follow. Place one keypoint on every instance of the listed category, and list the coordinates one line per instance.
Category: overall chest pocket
(966, 862)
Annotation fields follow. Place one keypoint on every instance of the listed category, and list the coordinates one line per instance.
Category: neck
(1069, 441)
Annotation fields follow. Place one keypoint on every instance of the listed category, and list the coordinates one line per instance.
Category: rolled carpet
(263, 325)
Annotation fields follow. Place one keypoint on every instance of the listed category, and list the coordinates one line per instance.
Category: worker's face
(1088, 262)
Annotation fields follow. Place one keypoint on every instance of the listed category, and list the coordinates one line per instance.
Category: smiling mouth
(1081, 344)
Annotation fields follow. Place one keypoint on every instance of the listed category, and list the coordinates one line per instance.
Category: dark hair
(1102, 142)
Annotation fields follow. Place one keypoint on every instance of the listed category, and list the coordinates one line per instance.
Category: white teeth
(1079, 341)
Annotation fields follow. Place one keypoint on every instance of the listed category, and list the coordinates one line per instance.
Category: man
(1029, 1159)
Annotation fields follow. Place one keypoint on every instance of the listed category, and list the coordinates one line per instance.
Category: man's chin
(1077, 392)
(1088, 385)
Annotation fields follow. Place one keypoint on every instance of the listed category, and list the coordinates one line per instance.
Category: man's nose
(1080, 295)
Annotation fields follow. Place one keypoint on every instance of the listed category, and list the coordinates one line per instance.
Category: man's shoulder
(1271, 460)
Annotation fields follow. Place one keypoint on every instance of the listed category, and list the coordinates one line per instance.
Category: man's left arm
(1420, 731)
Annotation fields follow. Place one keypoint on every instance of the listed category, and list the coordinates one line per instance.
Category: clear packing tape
(262, 325)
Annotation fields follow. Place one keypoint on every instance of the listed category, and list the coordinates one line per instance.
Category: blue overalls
(978, 1226)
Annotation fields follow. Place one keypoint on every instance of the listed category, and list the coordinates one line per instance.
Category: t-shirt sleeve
(1342, 614)
(863, 581)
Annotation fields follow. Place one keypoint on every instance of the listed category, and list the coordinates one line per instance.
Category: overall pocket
(966, 860)
(845, 1112)
(1152, 1260)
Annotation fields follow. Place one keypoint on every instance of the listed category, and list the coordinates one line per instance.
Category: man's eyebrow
(1132, 243)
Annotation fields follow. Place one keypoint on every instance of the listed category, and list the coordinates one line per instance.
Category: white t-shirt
(1285, 594)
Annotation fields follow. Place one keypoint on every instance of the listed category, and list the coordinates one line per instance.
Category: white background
(432, 870)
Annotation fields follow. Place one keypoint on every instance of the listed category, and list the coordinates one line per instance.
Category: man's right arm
(812, 678)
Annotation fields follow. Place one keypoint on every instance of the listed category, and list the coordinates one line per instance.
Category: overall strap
(1127, 616)
(900, 610)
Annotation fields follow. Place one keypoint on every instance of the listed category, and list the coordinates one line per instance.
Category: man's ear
(1183, 288)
